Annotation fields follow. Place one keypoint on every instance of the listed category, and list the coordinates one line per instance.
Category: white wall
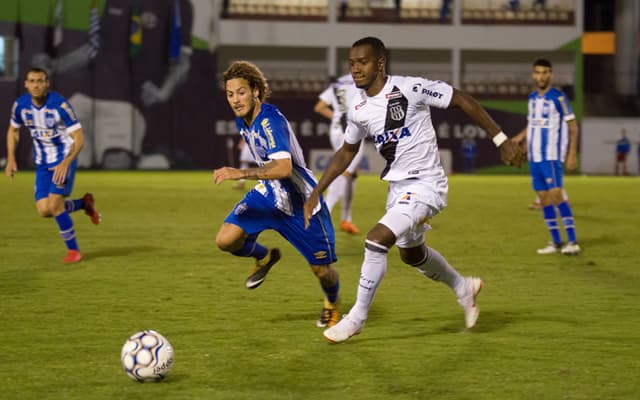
(598, 138)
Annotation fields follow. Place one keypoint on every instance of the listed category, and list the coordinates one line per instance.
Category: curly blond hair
(252, 74)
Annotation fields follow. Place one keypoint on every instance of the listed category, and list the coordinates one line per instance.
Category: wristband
(499, 139)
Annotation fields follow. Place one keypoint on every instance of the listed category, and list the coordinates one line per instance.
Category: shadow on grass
(121, 251)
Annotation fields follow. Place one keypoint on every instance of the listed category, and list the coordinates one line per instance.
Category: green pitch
(551, 327)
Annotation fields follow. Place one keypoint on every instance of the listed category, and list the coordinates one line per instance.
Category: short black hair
(542, 62)
(378, 47)
(37, 70)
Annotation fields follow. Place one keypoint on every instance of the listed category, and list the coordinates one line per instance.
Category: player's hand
(60, 172)
(10, 169)
(309, 206)
(226, 173)
(512, 154)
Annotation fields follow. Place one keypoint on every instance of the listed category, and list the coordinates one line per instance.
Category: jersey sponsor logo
(432, 93)
(392, 135)
(416, 87)
(396, 112)
(267, 130)
(320, 255)
(67, 108)
(406, 198)
(563, 104)
(393, 95)
(540, 122)
(42, 133)
(27, 117)
(359, 106)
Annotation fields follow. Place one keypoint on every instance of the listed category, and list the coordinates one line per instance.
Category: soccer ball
(147, 356)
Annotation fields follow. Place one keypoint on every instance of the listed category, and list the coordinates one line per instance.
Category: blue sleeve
(15, 114)
(276, 132)
(67, 114)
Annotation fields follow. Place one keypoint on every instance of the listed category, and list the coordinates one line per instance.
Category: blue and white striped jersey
(547, 130)
(270, 137)
(50, 126)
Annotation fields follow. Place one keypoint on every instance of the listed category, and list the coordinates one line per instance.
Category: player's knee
(43, 210)
(225, 243)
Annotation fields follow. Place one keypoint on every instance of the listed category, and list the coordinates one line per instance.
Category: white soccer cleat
(343, 330)
(550, 248)
(473, 286)
(571, 249)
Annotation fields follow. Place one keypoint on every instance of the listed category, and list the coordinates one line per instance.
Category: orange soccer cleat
(73, 256)
(349, 227)
(90, 209)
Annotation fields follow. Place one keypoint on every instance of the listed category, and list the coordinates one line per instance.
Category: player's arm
(13, 136)
(60, 170)
(572, 152)
(278, 168)
(338, 164)
(323, 109)
(510, 153)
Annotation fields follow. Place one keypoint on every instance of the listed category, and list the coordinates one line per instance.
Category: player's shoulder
(556, 93)
(345, 80)
(23, 101)
(55, 99)
(270, 111)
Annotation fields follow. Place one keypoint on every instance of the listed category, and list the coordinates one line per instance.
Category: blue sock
(65, 223)
(73, 205)
(567, 220)
(332, 292)
(252, 248)
(549, 213)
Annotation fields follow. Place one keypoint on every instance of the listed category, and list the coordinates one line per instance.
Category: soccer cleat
(90, 209)
(259, 273)
(473, 286)
(73, 256)
(343, 330)
(550, 248)
(329, 315)
(349, 227)
(571, 249)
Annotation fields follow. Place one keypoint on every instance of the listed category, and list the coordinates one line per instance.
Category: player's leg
(317, 245)
(566, 213)
(50, 203)
(542, 180)
(239, 233)
(86, 203)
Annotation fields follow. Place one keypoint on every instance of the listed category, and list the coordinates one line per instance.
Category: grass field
(551, 327)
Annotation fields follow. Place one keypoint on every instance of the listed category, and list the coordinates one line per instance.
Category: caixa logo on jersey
(392, 135)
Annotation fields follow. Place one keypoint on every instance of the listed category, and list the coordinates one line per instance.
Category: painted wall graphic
(142, 79)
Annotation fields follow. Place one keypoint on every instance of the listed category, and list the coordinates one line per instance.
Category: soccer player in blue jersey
(550, 116)
(57, 141)
(276, 202)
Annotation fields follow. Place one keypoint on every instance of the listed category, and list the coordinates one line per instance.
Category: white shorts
(337, 140)
(410, 205)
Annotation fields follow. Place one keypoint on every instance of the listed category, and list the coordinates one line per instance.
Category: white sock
(373, 269)
(346, 200)
(335, 191)
(435, 267)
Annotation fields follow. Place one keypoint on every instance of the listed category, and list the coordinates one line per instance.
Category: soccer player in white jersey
(276, 202)
(394, 111)
(57, 141)
(332, 104)
(549, 123)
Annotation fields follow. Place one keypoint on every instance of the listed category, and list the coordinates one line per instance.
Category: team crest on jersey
(50, 120)
(267, 131)
(545, 108)
(396, 111)
(240, 208)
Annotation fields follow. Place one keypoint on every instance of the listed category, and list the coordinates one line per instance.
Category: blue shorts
(546, 175)
(255, 214)
(44, 181)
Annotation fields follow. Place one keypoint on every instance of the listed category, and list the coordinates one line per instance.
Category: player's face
(365, 67)
(241, 97)
(37, 84)
(542, 76)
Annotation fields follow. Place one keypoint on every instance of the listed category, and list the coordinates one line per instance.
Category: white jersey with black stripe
(398, 119)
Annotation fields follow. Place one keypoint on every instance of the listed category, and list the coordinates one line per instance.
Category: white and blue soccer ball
(147, 356)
